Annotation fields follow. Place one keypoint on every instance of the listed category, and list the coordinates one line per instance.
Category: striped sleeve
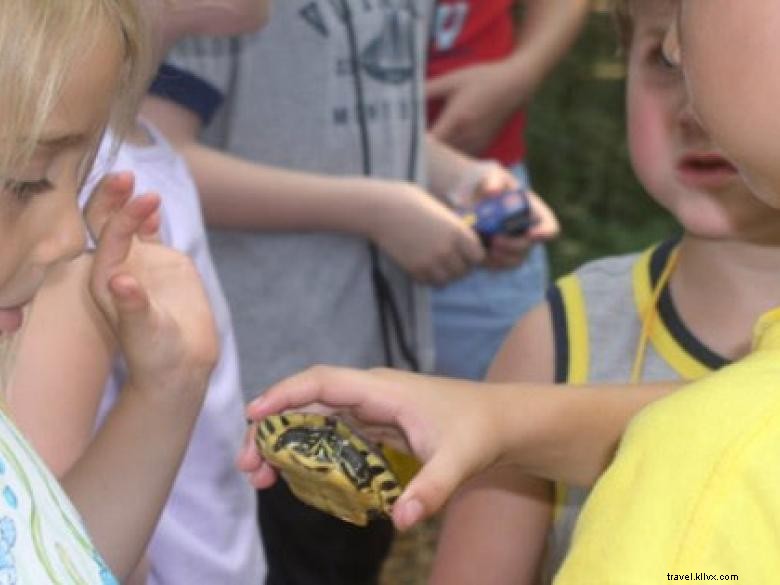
(570, 331)
(187, 90)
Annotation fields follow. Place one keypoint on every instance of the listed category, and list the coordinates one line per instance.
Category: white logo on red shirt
(448, 24)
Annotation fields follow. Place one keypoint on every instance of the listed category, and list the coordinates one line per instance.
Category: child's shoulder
(608, 267)
(600, 276)
(608, 272)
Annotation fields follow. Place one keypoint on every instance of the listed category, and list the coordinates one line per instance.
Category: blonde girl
(67, 70)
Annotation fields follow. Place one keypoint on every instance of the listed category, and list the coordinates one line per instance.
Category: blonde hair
(39, 41)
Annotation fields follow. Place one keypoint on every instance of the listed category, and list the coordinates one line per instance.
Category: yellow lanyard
(649, 313)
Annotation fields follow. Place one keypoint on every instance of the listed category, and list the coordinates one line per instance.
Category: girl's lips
(11, 319)
(705, 170)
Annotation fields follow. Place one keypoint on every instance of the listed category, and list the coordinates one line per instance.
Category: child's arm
(55, 406)
(496, 524)
(547, 431)
(480, 99)
(153, 301)
(66, 331)
(419, 232)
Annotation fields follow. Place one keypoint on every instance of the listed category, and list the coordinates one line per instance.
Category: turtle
(329, 466)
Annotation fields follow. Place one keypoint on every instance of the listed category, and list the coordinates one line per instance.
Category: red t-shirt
(467, 32)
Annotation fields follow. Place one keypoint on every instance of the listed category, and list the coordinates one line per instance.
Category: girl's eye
(25, 190)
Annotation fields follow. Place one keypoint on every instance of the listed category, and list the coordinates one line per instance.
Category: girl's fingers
(150, 229)
(117, 236)
(108, 196)
(129, 294)
(133, 306)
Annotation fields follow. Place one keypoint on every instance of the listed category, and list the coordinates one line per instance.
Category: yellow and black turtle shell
(328, 466)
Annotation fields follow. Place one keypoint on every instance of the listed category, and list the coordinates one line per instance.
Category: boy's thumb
(427, 492)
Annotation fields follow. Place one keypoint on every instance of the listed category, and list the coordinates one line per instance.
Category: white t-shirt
(208, 531)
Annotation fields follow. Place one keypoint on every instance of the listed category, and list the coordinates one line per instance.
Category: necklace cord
(649, 316)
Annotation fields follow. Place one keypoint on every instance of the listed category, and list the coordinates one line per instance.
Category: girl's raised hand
(151, 296)
(447, 424)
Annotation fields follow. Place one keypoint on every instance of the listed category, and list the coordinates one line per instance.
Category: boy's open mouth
(705, 170)
(706, 163)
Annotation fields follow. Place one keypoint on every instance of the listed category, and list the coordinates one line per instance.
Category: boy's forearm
(238, 194)
(547, 31)
(501, 508)
(568, 434)
(241, 194)
(136, 454)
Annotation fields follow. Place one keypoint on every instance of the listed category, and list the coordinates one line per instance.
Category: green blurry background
(578, 157)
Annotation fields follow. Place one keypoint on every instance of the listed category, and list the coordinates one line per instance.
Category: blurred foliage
(579, 160)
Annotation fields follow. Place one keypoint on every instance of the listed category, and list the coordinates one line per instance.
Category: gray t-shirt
(291, 100)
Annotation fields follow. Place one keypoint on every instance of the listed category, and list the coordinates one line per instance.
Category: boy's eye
(659, 58)
(25, 190)
(664, 61)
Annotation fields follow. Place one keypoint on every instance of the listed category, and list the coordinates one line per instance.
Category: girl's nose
(65, 240)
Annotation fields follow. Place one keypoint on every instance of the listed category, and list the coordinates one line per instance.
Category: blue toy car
(508, 213)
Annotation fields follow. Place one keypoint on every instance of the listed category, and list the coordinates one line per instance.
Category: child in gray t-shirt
(323, 267)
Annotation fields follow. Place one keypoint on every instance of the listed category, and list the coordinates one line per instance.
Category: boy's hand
(445, 423)
(478, 101)
(424, 237)
(510, 251)
(487, 179)
(151, 295)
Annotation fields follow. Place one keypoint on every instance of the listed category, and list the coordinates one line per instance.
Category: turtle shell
(329, 466)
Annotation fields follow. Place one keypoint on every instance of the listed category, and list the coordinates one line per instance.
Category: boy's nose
(687, 116)
(689, 123)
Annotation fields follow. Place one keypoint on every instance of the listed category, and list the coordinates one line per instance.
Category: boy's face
(673, 157)
(40, 221)
(213, 17)
(731, 58)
